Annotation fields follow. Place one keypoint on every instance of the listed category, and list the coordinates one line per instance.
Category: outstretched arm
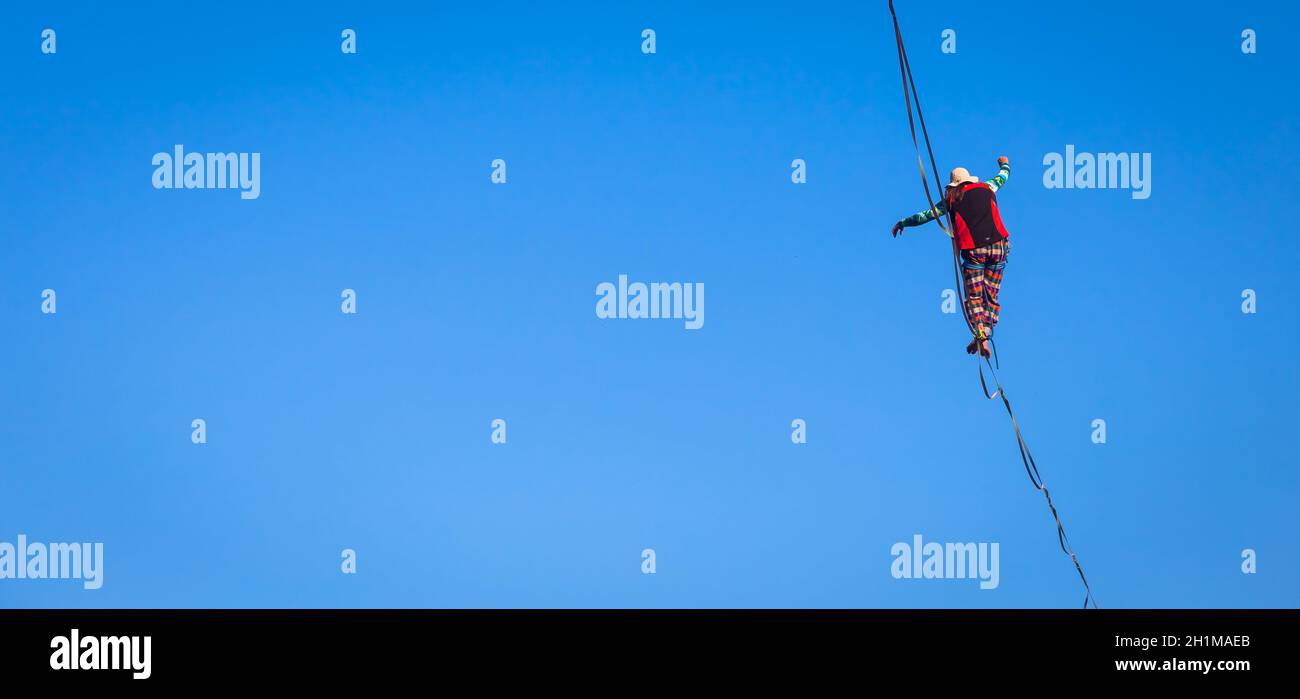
(1004, 172)
(921, 217)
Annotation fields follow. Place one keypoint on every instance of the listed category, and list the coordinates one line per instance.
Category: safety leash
(911, 95)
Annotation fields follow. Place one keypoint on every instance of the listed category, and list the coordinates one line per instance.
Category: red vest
(975, 218)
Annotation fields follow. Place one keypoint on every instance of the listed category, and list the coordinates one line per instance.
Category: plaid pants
(981, 273)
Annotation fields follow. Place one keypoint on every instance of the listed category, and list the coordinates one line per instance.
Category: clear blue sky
(476, 301)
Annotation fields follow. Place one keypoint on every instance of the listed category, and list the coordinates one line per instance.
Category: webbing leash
(911, 95)
(1031, 468)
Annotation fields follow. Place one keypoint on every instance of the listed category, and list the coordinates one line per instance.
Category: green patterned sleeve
(926, 216)
(1004, 173)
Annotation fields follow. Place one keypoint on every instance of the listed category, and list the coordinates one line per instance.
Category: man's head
(960, 176)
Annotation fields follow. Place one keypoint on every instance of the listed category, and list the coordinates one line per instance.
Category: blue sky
(476, 301)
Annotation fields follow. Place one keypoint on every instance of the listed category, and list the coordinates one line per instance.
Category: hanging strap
(1036, 478)
(911, 95)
